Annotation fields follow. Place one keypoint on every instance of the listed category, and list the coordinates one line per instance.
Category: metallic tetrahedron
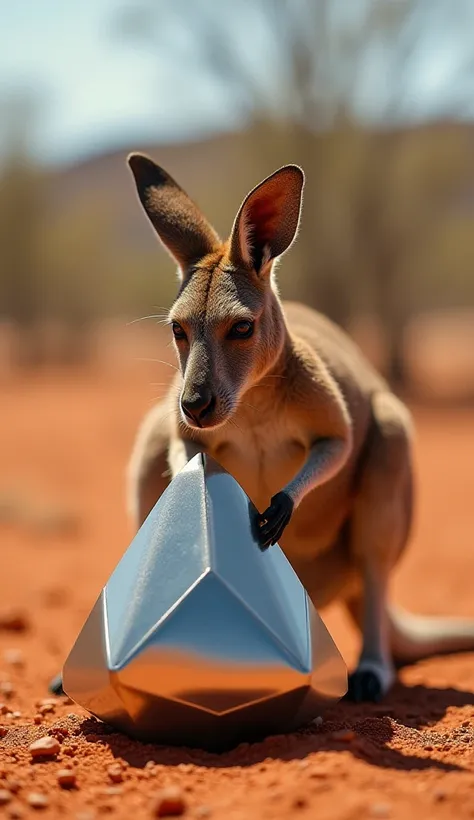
(199, 638)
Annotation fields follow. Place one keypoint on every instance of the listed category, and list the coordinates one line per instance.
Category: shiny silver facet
(200, 638)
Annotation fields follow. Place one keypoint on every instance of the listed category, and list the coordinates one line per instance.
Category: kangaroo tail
(414, 637)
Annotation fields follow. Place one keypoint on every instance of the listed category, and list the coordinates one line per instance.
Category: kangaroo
(287, 403)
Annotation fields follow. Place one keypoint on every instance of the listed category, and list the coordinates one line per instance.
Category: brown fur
(297, 408)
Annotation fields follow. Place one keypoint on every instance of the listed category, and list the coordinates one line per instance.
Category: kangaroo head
(227, 320)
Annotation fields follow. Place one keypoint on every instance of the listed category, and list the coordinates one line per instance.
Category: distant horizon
(142, 143)
(129, 144)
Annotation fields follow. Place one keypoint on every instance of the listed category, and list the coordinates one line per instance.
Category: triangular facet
(264, 581)
(211, 651)
(329, 677)
(166, 557)
(86, 677)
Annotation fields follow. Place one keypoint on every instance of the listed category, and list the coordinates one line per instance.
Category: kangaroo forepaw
(369, 682)
(56, 686)
(271, 523)
(364, 686)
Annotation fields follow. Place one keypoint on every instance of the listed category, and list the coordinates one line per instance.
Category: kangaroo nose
(198, 406)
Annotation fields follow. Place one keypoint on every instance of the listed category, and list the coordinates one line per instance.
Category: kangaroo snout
(198, 406)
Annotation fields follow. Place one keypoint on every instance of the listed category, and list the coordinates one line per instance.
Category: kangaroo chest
(262, 457)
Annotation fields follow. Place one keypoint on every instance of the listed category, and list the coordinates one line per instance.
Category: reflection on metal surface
(199, 638)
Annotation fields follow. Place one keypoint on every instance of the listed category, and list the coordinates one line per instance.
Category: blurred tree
(20, 218)
(48, 262)
(409, 182)
(73, 268)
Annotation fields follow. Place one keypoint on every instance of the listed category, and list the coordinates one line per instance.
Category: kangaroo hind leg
(379, 530)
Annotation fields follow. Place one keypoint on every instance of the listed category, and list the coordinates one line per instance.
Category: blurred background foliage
(387, 234)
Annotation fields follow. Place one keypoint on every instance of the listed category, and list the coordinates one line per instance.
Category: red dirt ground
(64, 441)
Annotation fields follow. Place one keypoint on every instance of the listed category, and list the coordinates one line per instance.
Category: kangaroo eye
(178, 331)
(241, 330)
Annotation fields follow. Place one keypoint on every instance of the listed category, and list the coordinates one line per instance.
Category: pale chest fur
(263, 451)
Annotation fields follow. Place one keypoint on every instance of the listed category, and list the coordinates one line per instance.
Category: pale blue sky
(101, 92)
(98, 91)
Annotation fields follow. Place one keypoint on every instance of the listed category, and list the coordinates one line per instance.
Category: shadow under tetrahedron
(199, 637)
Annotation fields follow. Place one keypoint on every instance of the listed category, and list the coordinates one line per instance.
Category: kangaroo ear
(268, 219)
(181, 227)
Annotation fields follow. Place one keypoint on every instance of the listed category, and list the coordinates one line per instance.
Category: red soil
(64, 440)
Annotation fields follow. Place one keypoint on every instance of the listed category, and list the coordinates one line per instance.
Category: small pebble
(5, 797)
(4, 709)
(13, 621)
(37, 800)
(150, 764)
(45, 747)
(115, 774)
(3, 731)
(60, 732)
(55, 596)
(46, 702)
(37, 719)
(169, 802)
(316, 774)
(380, 810)
(300, 802)
(7, 689)
(466, 723)
(318, 721)
(14, 657)
(66, 778)
(47, 707)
